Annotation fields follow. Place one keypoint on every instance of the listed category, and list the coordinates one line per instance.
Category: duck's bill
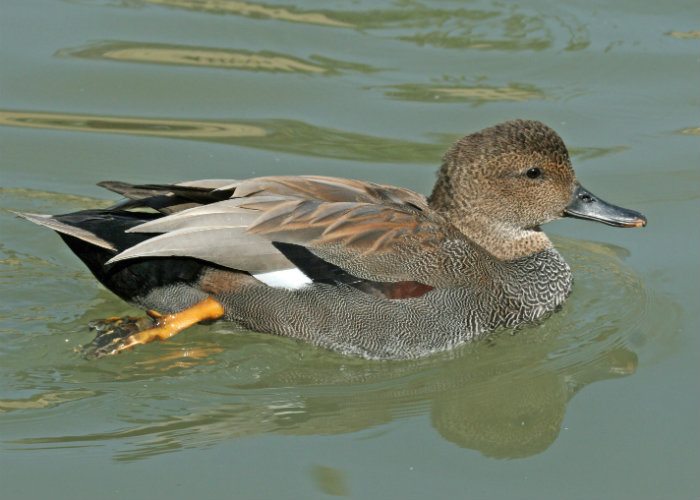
(585, 205)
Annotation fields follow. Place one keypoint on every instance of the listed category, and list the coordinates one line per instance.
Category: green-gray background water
(170, 90)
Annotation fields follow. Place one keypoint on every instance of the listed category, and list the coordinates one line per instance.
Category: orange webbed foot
(119, 334)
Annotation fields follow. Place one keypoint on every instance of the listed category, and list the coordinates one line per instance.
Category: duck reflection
(522, 417)
(502, 398)
(502, 412)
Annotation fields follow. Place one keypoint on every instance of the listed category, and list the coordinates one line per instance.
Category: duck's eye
(533, 173)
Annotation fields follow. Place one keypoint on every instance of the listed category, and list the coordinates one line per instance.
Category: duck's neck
(503, 241)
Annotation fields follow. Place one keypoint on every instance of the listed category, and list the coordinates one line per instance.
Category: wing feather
(375, 232)
(230, 247)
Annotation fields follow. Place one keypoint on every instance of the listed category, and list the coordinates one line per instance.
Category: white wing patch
(291, 279)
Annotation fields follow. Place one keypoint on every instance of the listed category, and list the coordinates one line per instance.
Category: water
(169, 90)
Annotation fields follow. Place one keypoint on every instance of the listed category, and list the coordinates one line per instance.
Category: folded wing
(371, 232)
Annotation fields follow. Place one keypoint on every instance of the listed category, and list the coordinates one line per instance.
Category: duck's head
(500, 184)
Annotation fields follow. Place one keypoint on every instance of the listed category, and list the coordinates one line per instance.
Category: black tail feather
(96, 236)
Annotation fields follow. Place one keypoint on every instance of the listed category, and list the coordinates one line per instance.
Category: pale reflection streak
(252, 10)
(47, 399)
(477, 94)
(490, 94)
(208, 57)
(186, 129)
(685, 35)
(588, 153)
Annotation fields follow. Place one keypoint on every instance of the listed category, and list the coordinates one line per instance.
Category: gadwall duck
(360, 268)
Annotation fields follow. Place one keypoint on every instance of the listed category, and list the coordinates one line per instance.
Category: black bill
(585, 205)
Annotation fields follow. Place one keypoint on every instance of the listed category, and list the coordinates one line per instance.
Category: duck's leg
(118, 334)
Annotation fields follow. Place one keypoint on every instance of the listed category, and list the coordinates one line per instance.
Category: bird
(360, 268)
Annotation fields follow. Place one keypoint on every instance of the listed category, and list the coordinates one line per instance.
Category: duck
(360, 268)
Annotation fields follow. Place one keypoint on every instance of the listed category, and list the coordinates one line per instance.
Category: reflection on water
(505, 397)
(476, 94)
(488, 26)
(47, 399)
(509, 29)
(685, 35)
(77, 202)
(690, 131)
(287, 136)
(208, 57)
(589, 153)
(476, 402)
(188, 129)
(248, 9)
(330, 480)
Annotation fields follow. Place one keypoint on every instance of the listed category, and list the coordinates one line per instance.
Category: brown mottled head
(517, 174)
(499, 185)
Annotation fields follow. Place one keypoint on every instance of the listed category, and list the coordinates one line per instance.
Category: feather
(229, 247)
(58, 226)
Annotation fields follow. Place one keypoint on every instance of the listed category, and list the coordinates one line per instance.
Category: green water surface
(171, 90)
